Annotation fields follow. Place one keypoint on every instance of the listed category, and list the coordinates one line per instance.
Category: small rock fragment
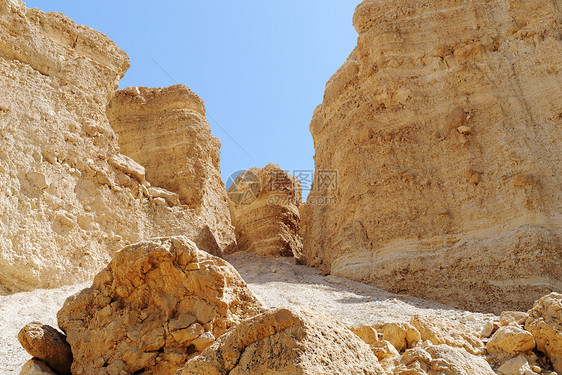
(127, 165)
(517, 317)
(383, 349)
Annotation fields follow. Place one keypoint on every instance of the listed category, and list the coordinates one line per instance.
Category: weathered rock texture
(446, 331)
(156, 304)
(443, 127)
(36, 367)
(286, 342)
(166, 131)
(510, 341)
(264, 206)
(48, 345)
(437, 359)
(68, 199)
(545, 323)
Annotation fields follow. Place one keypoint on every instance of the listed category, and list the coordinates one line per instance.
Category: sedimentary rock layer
(165, 130)
(444, 129)
(68, 198)
(264, 206)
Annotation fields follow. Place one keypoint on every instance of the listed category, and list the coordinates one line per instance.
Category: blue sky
(260, 66)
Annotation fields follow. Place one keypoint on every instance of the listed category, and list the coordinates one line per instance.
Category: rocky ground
(279, 282)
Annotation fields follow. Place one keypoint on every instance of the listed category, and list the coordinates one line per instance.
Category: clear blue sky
(260, 66)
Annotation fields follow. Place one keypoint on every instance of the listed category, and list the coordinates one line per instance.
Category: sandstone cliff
(68, 198)
(165, 131)
(264, 206)
(444, 129)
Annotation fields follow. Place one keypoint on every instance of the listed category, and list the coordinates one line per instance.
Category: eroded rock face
(264, 206)
(443, 129)
(68, 198)
(286, 341)
(165, 130)
(157, 303)
(48, 345)
(545, 323)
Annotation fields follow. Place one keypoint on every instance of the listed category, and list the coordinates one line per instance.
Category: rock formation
(442, 127)
(264, 206)
(48, 345)
(437, 359)
(68, 198)
(165, 131)
(545, 323)
(157, 304)
(286, 342)
(445, 331)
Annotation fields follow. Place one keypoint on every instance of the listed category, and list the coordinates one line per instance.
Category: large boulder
(286, 342)
(68, 199)
(510, 341)
(264, 206)
(439, 143)
(48, 345)
(545, 323)
(157, 304)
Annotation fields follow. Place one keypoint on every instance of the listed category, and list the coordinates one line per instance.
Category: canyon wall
(68, 198)
(166, 131)
(264, 206)
(444, 129)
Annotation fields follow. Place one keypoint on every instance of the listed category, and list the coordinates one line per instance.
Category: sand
(278, 282)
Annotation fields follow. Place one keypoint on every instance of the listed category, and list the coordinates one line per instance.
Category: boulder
(383, 349)
(516, 366)
(513, 317)
(264, 206)
(401, 335)
(289, 342)
(439, 330)
(434, 154)
(510, 341)
(157, 304)
(439, 359)
(48, 345)
(366, 333)
(36, 367)
(545, 323)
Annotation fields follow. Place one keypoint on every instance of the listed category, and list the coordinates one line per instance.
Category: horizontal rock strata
(68, 198)
(264, 206)
(442, 127)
